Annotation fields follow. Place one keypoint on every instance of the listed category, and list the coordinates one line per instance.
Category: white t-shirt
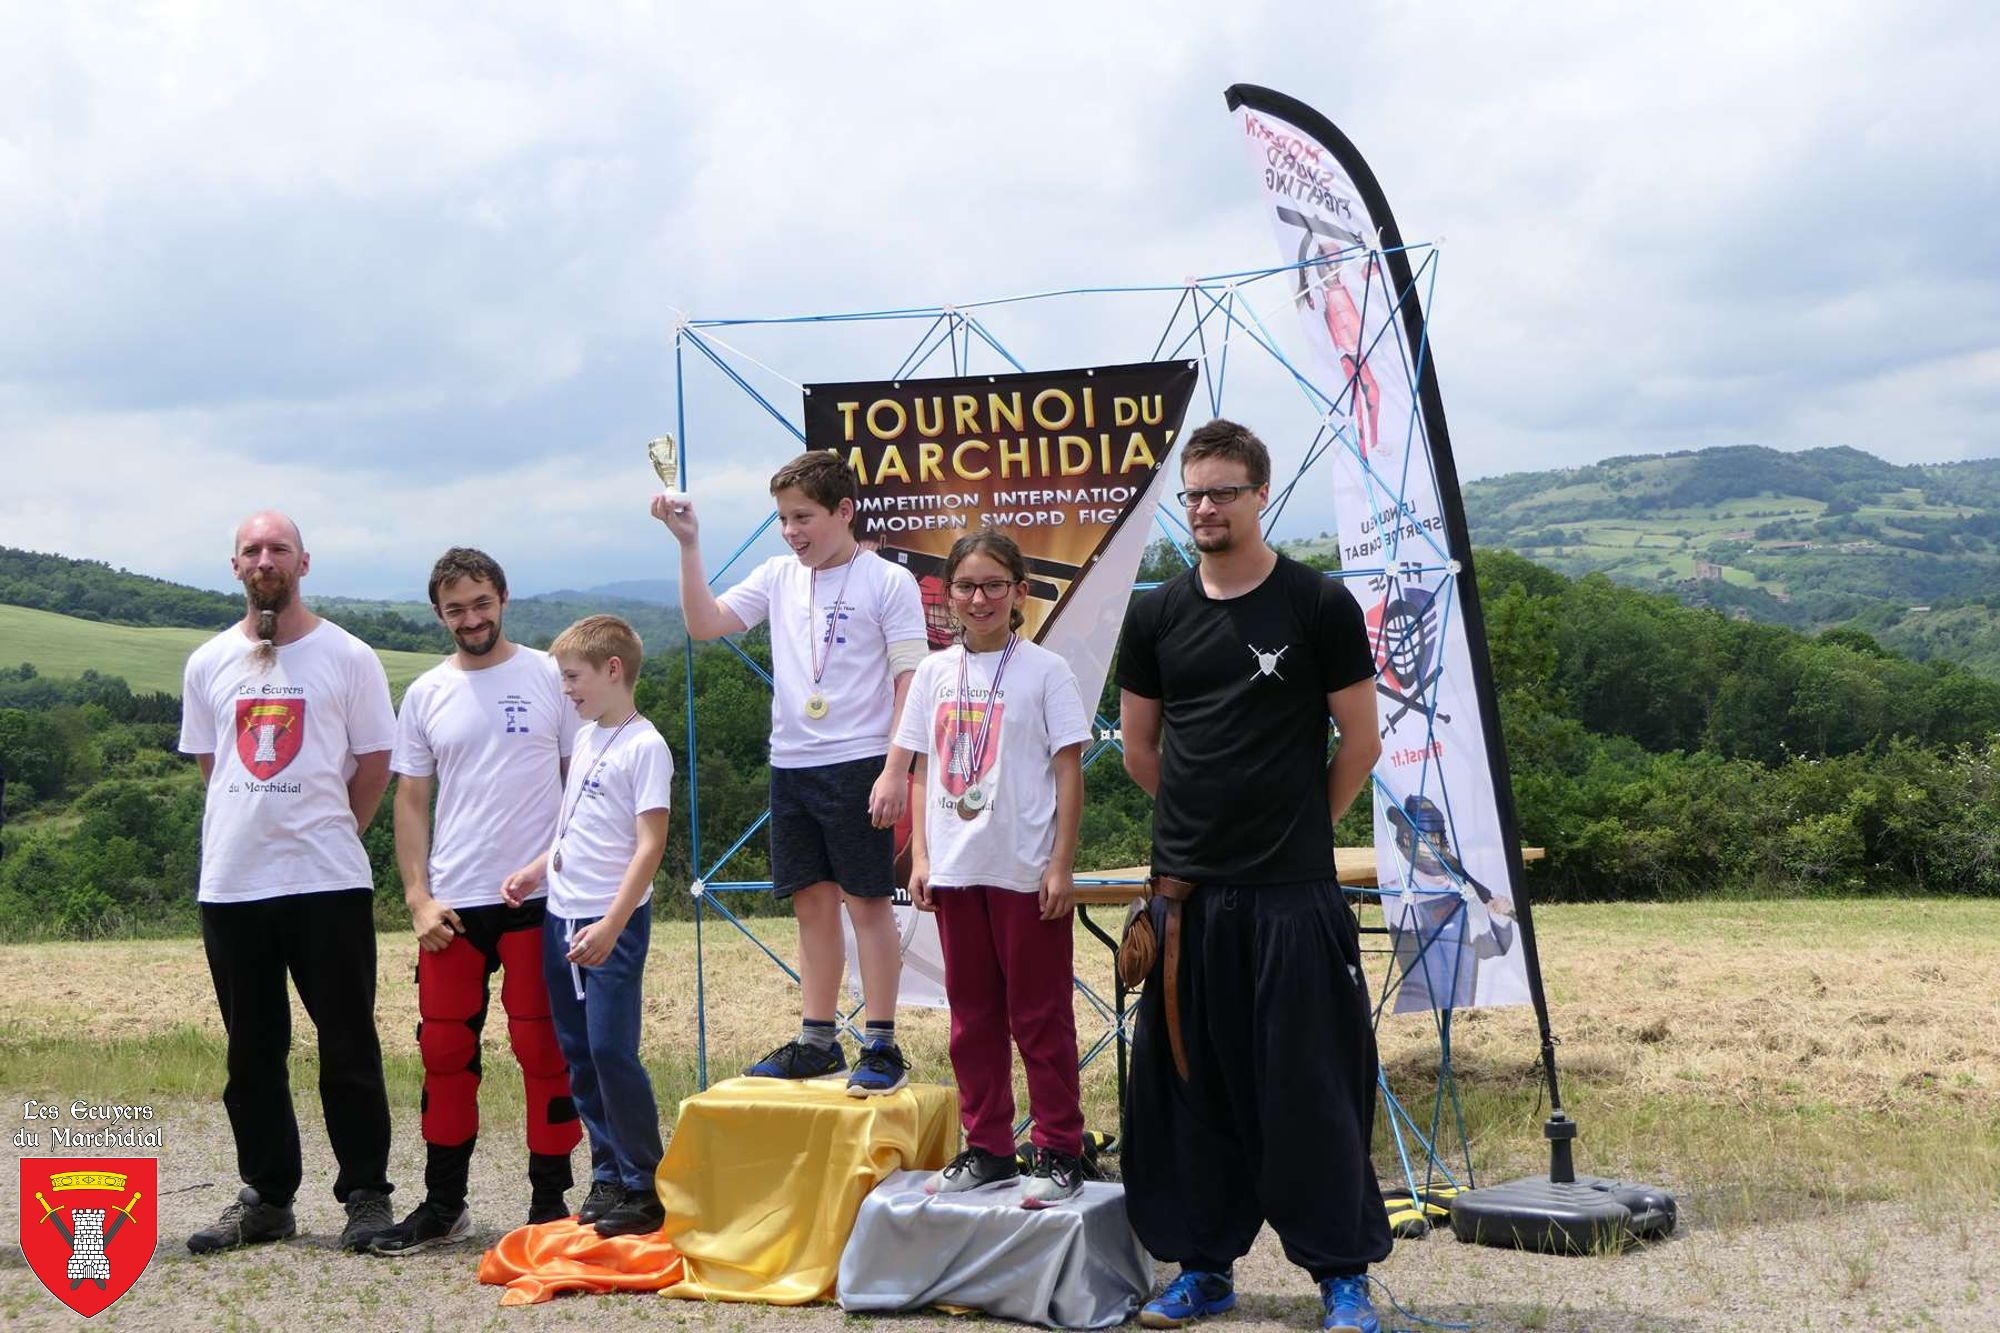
(611, 783)
(1037, 712)
(495, 740)
(880, 606)
(276, 818)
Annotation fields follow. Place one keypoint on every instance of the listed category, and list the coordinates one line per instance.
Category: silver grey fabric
(1076, 1265)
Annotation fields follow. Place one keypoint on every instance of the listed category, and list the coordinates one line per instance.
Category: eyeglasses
(1221, 495)
(994, 589)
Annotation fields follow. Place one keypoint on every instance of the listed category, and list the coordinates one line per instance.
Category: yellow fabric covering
(761, 1182)
(764, 1177)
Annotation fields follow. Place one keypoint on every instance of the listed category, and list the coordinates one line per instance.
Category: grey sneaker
(971, 1169)
(368, 1216)
(248, 1221)
(1057, 1176)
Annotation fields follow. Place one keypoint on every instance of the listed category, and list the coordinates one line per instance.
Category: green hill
(1815, 540)
(93, 590)
(147, 657)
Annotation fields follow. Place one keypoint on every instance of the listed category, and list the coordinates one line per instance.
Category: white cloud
(412, 273)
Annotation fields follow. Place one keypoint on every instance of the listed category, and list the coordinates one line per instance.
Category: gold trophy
(665, 456)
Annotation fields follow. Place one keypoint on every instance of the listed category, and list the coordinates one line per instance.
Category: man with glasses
(1254, 1066)
(488, 732)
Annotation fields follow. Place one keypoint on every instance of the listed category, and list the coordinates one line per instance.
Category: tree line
(1657, 751)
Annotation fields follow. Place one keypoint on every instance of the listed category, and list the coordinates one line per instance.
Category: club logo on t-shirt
(514, 711)
(835, 631)
(1267, 662)
(269, 733)
(955, 733)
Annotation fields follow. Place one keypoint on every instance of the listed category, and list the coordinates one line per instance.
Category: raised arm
(706, 617)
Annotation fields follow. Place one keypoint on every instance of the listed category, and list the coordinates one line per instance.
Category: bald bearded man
(288, 717)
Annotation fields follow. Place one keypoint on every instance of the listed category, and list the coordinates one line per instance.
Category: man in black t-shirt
(1253, 1092)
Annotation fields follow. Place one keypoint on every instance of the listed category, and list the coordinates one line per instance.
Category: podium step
(1075, 1265)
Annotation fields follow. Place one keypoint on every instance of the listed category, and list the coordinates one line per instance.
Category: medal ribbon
(976, 761)
(603, 753)
(820, 659)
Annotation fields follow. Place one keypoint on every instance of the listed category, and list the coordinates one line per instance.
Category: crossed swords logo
(124, 1212)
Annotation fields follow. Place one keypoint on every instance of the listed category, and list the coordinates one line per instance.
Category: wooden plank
(1354, 866)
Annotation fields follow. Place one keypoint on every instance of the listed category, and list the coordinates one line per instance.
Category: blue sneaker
(1189, 1296)
(878, 1070)
(1348, 1309)
(798, 1059)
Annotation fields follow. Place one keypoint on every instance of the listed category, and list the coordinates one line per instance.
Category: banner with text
(1444, 819)
(1062, 461)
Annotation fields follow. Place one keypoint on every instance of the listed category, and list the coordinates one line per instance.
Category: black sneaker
(638, 1215)
(1057, 1176)
(971, 1169)
(798, 1059)
(248, 1221)
(368, 1216)
(428, 1224)
(880, 1070)
(603, 1197)
(547, 1208)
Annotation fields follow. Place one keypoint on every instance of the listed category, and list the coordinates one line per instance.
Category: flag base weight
(1588, 1215)
(1562, 1212)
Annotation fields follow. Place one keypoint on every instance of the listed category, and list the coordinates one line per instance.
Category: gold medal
(816, 706)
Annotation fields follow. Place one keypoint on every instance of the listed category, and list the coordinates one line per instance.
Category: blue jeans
(599, 1036)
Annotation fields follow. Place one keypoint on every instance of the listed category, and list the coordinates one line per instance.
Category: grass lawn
(1818, 1082)
(1821, 1050)
(147, 657)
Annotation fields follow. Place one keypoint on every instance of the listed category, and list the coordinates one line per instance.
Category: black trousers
(1274, 1120)
(326, 942)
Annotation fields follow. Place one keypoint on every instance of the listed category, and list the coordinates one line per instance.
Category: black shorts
(820, 831)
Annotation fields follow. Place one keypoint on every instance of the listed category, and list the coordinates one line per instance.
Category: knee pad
(448, 1047)
(534, 1042)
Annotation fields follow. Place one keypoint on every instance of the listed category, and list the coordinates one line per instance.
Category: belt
(1176, 892)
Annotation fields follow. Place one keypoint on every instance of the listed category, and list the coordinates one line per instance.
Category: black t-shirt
(1243, 685)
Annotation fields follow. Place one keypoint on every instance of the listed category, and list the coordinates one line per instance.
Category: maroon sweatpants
(1008, 973)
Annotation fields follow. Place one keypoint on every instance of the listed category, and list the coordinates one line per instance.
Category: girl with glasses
(996, 727)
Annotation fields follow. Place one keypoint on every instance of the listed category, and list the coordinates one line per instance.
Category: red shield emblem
(88, 1225)
(954, 736)
(269, 733)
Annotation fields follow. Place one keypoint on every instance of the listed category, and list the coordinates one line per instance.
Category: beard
(478, 643)
(272, 594)
(1214, 541)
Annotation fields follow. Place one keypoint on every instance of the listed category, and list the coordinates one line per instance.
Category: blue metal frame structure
(1209, 315)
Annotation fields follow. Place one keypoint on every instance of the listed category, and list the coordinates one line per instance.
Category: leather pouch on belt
(1141, 947)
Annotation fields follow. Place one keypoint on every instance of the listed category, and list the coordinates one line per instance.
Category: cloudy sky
(415, 277)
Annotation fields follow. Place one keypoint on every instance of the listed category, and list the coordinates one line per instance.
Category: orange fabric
(538, 1263)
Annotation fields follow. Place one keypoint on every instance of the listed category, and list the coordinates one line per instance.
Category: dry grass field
(1818, 1081)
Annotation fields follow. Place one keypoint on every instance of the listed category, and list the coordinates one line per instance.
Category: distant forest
(1658, 751)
